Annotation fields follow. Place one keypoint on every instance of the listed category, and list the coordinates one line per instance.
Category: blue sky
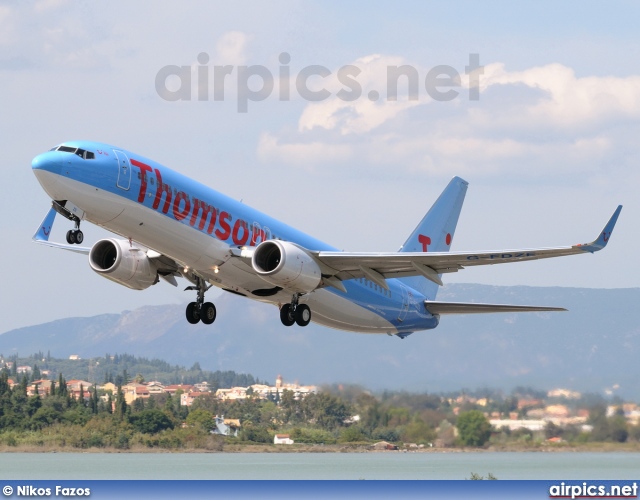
(550, 148)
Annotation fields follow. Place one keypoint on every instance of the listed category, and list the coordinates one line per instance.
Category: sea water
(369, 466)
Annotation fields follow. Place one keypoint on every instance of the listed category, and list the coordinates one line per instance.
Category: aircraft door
(124, 170)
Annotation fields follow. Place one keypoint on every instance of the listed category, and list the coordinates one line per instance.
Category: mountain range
(593, 347)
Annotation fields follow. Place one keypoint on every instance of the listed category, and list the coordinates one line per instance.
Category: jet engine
(286, 265)
(120, 261)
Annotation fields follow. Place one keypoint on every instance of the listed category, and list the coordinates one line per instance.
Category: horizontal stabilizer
(436, 307)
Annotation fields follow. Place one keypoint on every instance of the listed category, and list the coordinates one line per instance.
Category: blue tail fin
(435, 232)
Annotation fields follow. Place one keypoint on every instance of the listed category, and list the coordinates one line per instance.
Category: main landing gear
(295, 313)
(200, 310)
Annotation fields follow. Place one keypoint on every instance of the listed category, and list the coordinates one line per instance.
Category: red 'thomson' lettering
(198, 211)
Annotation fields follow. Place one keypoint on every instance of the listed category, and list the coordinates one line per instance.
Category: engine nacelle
(286, 265)
(123, 263)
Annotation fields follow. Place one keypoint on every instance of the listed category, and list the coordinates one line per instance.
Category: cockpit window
(86, 155)
(82, 153)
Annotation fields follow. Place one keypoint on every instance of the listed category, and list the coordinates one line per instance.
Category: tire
(284, 315)
(193, 315)
(71, 237)
(79, 237)
(208, 313)
(303, 315)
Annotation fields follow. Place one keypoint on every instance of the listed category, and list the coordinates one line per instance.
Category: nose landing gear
(74, 236)
(295, 313)
(200, 310)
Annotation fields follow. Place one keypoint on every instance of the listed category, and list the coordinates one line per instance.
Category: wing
(167, 268)
(378, 266)
(436, 307)
(43, 232)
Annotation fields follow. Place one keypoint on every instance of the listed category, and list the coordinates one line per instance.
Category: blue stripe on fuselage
(235, 223)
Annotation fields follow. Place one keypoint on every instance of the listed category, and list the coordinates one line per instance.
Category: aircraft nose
(47, 168)
(48, 161)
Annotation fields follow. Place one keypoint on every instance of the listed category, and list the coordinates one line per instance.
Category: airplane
(172, 226)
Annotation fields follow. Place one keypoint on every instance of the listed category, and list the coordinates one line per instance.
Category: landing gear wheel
(303, 315)
(200, 310)
(285, 315)
(193, 314)
(78, 236)
(208, 313)
(71, 237)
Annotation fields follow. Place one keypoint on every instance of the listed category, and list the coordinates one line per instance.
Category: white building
(532, 425)
(282, 439)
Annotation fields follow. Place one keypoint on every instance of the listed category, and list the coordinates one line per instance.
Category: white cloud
(306, 155)
(7, 25)
(231, 48)
(350, 117)
(361, 115)
(571, 100)
(541, 122)
(45, 6)
(57, 37)
(5, 11)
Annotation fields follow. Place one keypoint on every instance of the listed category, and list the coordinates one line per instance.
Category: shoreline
(233, 448)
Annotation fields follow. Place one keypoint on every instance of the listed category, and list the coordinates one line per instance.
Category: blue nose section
(49, 161)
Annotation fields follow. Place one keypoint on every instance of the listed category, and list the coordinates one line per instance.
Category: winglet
(43, 232)
(604, 236)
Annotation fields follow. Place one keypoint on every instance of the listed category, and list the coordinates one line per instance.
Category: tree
(121, 403)
(552, 430)
(618, 428)
(169, 407)
(290, 407)
(94, 401)
(81, 397)
(352, 434)
(474, 428)
(4, 383)
(201, 418)
(326, 410)
(44, 417)
(418, 431)
(138, 405)
(270, 414)
(151, 421)
(255, 433)
(62, 385)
